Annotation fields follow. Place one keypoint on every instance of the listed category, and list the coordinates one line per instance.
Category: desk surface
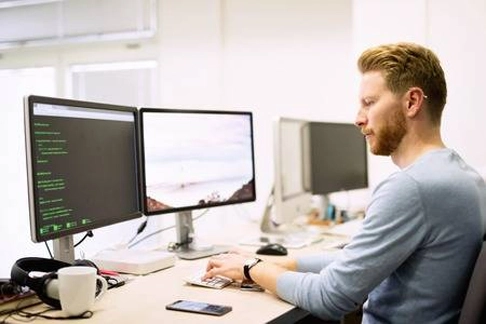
(143, 299)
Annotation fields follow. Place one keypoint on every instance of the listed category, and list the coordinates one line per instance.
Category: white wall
(14, 225)
(287, 57)
(455, 30)
(463, 49)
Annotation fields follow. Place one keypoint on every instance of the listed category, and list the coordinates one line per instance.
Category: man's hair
(406, 65)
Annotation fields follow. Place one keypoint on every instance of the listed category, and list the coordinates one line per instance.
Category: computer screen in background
(195, 159)
(312, 159)
(336, 158)
(290, 198)
(82, 168)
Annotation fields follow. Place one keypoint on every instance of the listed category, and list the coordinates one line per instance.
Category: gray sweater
(413, 257)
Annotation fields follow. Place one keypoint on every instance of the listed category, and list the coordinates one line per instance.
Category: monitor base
(192, 253)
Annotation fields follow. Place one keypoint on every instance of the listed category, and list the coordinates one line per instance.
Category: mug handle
(104, 287)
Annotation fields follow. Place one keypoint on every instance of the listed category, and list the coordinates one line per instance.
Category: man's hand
(228, 264)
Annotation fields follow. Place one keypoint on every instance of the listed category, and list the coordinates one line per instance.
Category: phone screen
(199, 307)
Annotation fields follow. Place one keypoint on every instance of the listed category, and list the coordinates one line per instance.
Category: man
(423, 229)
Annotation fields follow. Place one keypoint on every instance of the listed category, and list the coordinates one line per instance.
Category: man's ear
(415, 98)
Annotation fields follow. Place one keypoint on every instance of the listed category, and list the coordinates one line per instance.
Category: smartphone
(249, 285)
(199, 307)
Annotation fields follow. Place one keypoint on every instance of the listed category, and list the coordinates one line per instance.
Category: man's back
(440, 206)
(413, 256)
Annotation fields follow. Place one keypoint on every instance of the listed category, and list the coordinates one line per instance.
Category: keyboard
(217, 282)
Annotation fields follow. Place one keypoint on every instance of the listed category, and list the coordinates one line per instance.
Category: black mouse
(272, 249)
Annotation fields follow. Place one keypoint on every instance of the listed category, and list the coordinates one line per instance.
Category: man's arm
(264, 273)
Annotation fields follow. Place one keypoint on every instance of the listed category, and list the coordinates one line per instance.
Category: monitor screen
(196, 159)
(314, 158)
(336, 158)
(82, 165)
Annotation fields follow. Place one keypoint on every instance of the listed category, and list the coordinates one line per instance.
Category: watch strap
(248, 265)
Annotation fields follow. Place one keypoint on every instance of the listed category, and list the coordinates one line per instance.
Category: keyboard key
(217, 282)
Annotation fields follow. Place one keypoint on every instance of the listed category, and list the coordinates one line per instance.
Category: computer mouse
(272, 249)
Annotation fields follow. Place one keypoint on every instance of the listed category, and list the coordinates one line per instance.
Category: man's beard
(390, 135)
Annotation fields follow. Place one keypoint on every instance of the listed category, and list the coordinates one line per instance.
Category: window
(44, 22)
(127, 83)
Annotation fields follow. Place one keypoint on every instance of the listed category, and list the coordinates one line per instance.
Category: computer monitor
(336, 158)
(82, 168)
(312, 158)
(289, 198)
(193, 159)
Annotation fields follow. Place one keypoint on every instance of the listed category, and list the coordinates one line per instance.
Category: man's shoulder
(397, 182)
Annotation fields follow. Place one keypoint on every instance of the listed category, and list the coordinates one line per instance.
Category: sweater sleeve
(315, 263)
(392, 230)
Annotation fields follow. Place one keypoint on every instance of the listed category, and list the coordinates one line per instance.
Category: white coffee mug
(77, 289)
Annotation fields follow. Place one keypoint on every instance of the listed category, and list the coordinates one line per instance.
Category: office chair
(299, 316)
(474, 307)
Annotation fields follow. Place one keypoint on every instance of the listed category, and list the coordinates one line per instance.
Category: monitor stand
(269, 226)
(64, 249)
(187, 248)
(289, 235)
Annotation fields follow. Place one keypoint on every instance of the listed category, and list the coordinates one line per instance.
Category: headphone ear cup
(42, 293)
(9, 288)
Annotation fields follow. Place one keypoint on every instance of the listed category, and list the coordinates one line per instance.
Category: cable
(28, 315)
(88, 234)
(162, 230)
(150, 235)
(13, 311)
(19, 310)
(48, 250)
(140, 229)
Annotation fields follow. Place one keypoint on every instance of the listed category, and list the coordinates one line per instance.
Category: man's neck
(413, 147)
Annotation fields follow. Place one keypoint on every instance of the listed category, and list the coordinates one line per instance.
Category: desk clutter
(12, 295)
(48, 282)
(21, 302)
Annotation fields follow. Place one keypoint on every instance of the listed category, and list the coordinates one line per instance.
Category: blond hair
(406, 65)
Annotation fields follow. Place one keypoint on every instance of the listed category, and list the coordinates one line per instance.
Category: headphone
(45, 286)
(9, 289)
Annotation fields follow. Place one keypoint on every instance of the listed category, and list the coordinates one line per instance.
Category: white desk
(143, 299)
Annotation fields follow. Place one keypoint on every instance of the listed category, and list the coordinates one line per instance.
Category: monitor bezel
(287, 208)
(144, 110)
(34, 217)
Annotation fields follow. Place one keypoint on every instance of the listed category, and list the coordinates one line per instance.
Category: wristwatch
(250, 263)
